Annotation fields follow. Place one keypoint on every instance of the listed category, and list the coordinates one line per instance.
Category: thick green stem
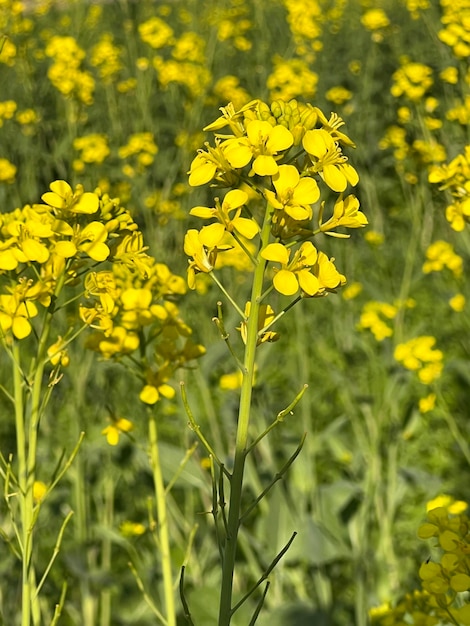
(236, 482)
(27, 428)
(26, 516)
(163, 532)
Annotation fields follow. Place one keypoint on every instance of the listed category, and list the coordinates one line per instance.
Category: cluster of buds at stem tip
(288, 157)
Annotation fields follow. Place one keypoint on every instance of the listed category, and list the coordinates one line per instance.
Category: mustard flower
(90, 240)
(62, 197)
(457, 302)
(412, 80)
(113, 431)
(156, 32)
(328, 160)
(266, 316)
(262, 143)
(119, 341)
(309, 270)
(150, 394)
(427, 403)
(7, 171)
(372, 318)
(209, 165)
(292, 78)
(15, 315)
(375, 19)
(441, 254)
(234, 200)
(131, 529)
(419, 355)
(203, 259)
(345, 213)
(39, 490)
(58, 354)
(294, 194)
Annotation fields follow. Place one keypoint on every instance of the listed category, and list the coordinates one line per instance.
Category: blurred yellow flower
(457, 302)
(113, 431)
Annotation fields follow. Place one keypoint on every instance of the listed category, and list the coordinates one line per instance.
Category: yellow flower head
(263, 143)
(294, 194)
(328, 160)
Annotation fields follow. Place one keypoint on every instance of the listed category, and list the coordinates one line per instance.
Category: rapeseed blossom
(263, 136)
(419, 355)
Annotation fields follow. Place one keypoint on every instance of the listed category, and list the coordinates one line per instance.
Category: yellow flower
(375, 19)
(262, 143)
(7, 171)
(62, 197)
(15, 315)
(113, 431)
(328, 160)
(233, 201)
(428, 403)
(150, 394)
(294, 194)
(231, 381)
(90, 240)
(57, 353)
(310, 271)
(345, 213)
(457, 302)
(39, 490)
(131, 529)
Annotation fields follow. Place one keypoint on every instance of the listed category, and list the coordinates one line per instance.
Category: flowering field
(235, 349)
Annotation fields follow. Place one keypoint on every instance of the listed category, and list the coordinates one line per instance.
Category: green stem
(21, 447)
(27, 425)
(236, 482)
(163, 533)
(106, 549)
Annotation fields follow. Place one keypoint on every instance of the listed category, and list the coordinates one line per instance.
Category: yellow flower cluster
(106, 57)
(93, 148)
(45, 247)
(419, 355)
(140, 314)
(448, 579)
(455, 177)
(374, 317)
(443, 597)
(182, 60)
(141, 148)
(441, 254)
(285, 153)
(456, 31)
(65, 73)
(290, 79)
(412, 80)
(49, 250)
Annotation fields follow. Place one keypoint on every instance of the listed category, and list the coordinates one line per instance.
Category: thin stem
(197, 429)
(163, 533)
(236, 483)
(227, 295)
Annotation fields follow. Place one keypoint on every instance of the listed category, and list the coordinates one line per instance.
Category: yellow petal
(21, 327)
(212, 235)
(149, 394)
(286, 283)
(246, 227)
(65, 249)
(265, 165)
(235, 199)
(88, 203)
(308, 282)
(276, 252)
(334, 178)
